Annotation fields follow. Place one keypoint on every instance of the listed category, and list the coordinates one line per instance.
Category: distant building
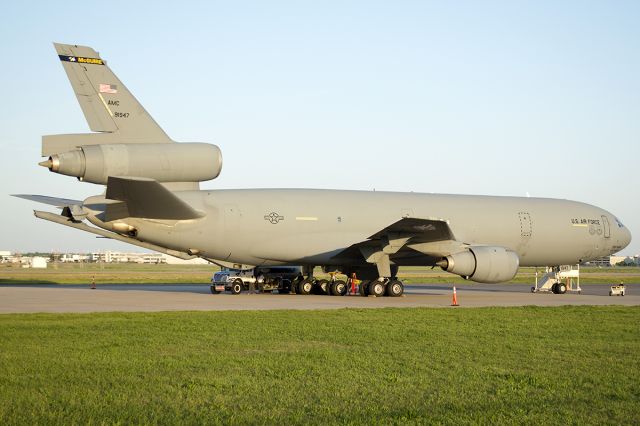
(38, 262)
(5, 256)
(146, 258)
(119, 257)
(601, 262)
(607, 261)
(74, 258)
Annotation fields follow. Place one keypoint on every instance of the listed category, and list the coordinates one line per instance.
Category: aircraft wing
(408, 238)
(52, 201)
(145, 198)
(423, 230)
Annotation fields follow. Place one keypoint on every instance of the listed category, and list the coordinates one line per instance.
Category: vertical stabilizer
(106, 103)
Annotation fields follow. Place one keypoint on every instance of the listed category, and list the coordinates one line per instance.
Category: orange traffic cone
(455, 297)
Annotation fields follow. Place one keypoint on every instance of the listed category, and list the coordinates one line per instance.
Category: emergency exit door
(525, 224)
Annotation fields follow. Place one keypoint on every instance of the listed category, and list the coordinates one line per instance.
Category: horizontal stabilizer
(101, 232)
(147, 198)
(52, 201)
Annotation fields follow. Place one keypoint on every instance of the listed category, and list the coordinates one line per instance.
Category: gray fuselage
(304, 226)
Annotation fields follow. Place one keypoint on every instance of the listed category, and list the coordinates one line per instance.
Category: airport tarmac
(32, 298)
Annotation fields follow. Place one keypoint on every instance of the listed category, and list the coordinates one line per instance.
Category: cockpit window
(620, 225)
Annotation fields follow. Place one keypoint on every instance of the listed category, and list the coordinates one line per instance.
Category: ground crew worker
(252, 283)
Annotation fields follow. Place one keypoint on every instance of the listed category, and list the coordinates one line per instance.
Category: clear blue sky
(501, 98)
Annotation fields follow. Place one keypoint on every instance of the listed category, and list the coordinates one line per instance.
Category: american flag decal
(108, 88)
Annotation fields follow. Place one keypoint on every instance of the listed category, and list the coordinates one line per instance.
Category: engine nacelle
(164, 162)
(483, 264)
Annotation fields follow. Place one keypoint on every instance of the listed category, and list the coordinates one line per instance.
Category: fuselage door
(525, 224)
(605, 224)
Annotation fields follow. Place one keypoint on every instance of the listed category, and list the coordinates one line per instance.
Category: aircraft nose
(626, 237)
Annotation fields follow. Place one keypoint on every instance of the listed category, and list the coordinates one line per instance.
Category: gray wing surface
(52, 201)
(408, 238)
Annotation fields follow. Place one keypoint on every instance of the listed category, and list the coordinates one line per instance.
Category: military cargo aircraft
(153, 200)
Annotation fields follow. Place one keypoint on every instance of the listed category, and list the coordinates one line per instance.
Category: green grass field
(576, 365)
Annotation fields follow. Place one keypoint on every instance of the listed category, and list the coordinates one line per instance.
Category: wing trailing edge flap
(431, 237)
(145, 198)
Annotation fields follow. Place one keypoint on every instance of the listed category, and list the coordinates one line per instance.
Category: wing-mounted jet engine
(482, 264)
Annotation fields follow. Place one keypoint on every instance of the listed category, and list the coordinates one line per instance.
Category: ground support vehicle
(265, 279)
(559, 280)
(617, 290)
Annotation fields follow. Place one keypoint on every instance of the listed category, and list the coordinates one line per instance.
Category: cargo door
(605, 224)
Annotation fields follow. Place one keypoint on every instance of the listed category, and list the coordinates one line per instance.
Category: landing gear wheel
(395, 288)
(236, 287)
(376, 288)
(322, 287)
(362, 288)
(305, 286)
(339, 288)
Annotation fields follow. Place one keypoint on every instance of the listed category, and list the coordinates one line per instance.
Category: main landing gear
(391, 287)
(332, 286)
(308, 284)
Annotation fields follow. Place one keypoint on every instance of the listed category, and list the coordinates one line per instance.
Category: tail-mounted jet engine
(483, 264)
(163, 162)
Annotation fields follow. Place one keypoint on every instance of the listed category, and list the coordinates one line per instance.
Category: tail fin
(106, 103)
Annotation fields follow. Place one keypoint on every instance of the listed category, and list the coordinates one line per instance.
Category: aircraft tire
(339, 288)
(305, 286)
(236, 287)
(376, 288)
(322, 287)
(395, 288)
